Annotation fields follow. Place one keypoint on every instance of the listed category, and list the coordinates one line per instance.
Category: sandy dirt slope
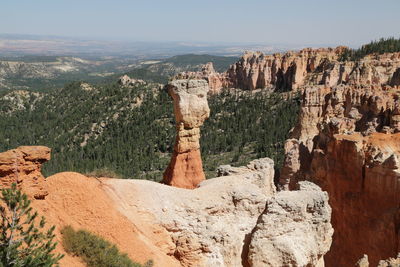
(82, 202)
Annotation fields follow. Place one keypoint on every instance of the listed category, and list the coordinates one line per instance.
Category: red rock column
(191, 109)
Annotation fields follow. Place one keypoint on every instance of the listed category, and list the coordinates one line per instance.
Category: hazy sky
(348, 22)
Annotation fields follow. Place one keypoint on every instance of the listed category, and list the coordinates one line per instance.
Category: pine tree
(23, 241)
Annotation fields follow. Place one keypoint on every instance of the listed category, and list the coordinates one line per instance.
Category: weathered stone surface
(294, 229)
(191, 109)
(217, 223)
(346, 141)
(391, 262)
(23, 167)
(363, 262)
(362, 177)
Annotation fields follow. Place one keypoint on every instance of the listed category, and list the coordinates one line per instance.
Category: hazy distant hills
(13, 45)
(30, 72)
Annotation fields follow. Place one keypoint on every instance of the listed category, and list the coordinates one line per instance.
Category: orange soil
(81, 202)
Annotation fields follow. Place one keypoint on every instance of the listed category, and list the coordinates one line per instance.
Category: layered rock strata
(347, 141)
(191, 109)
(308, 67)
(305, 68)
(23, 167)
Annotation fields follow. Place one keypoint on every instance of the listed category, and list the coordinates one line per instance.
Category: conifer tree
(23, 241)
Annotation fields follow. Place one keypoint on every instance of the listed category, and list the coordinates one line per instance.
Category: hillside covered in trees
(381, 46)
(130, 130)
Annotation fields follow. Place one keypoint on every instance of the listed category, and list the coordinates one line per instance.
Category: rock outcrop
(125, 80)
(347, 141)
(191, 109)
(231, 220)
(23, 167)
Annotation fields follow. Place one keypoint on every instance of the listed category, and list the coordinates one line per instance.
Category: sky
(305, 22)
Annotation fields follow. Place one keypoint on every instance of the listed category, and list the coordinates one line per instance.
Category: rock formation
(290, 231)
(226, 221)
(347, 141)
(191, 109)
(236, 220)
(216, 81)
(125, 80)
(308, 67)
(302, 69)
(23, 167)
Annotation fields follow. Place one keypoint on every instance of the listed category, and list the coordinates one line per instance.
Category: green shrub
(94, 250)
(24, 242)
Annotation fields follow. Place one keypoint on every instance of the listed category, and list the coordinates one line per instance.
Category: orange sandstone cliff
(347, 140)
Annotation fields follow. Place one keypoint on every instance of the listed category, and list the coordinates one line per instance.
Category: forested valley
(128, 132)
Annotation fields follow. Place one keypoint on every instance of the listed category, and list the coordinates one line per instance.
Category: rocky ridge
(294, 71)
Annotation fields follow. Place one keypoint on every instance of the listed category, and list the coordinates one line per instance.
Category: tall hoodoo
(191, 110)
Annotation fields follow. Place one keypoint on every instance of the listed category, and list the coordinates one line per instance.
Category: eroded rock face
(295, 71)
(191, 109)
(23, 167)
(347, 142)
(362, 177)
(230, 220)
(309, 67)
(216, 81)
(294, 229)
